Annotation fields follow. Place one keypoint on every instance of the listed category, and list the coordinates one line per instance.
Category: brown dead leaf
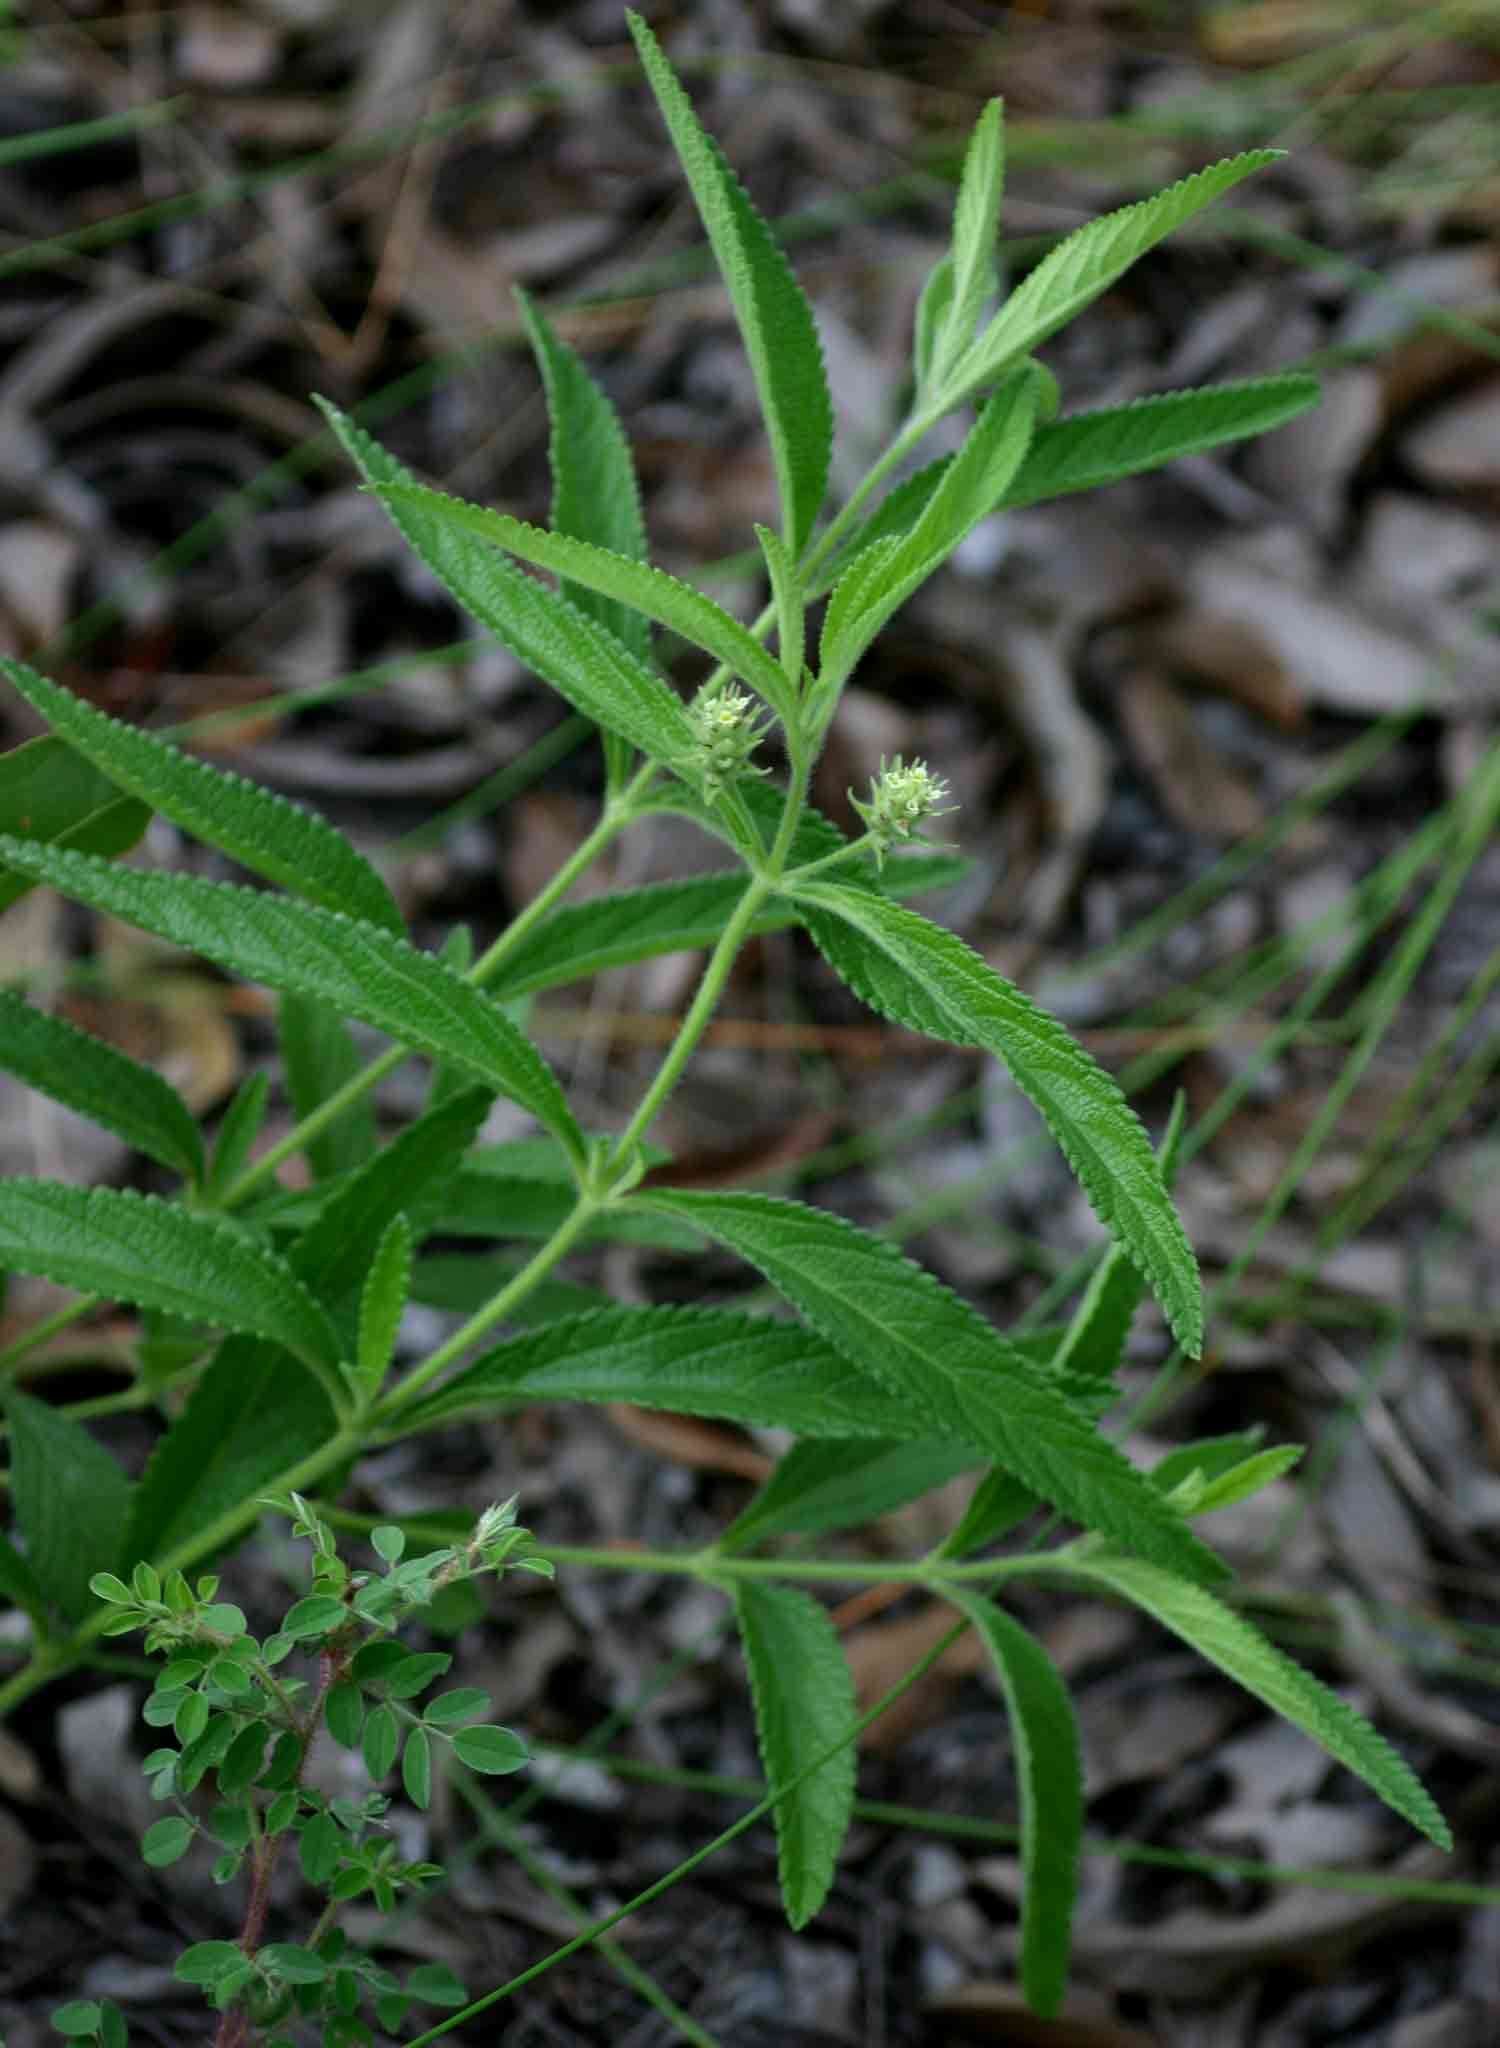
(758, 1157)
(1196, 784)
(880, 1656)
(987, 2012)
(688, 1440)
(545, 830)
(1346, 657)
(1235, 659)
(1271, 31)
(1458, 446)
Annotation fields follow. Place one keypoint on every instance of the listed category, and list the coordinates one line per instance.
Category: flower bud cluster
(727, 730)
(902, 799)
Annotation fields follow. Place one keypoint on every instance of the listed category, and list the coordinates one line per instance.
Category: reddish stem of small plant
(233, 2030)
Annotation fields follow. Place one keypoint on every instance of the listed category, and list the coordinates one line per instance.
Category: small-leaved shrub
(271, 1317)
(239, 1711)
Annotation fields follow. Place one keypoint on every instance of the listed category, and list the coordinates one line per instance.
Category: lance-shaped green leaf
(71, 1500)
(775, 320)
(251, 1417)
(262, 831)
(1218, 1471)
(911, 971)
(49, 792)
(100, 1082)
(1049, 1775)
(1246, 1479)
(1208, 1457)
(357, 969)
(893, 518)
(932, 310)
(819, 1486)
(1091, 448)
(135, 1248)
(319, 1055)
(1094, 1342)
(998, 1504)
(885, 574)
(616, 930)
(408, 1177)
(791, 609)
(238, 1131)
(636, 585)
(595, 495)
(1226, 1639)
(583, 662)
(382, 1305)
(1088, 263)
(841, 1485)
(693, 1361)
(897, 1323)
(976, 223)
(804, 1701)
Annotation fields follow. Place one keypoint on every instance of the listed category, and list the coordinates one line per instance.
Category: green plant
(242, 1718)
(890, 1381)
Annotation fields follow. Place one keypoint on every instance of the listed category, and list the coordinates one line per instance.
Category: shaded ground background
(1221, 741)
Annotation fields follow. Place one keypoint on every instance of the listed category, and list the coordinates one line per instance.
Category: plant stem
(915, 429)
(696, 1022)
(495, 1310)
(933, 1572)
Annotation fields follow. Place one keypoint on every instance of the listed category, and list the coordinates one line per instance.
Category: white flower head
(727, 730)
(902, 798)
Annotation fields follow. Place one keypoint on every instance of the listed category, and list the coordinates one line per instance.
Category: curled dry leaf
(879, 1656)
(686, 1440)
